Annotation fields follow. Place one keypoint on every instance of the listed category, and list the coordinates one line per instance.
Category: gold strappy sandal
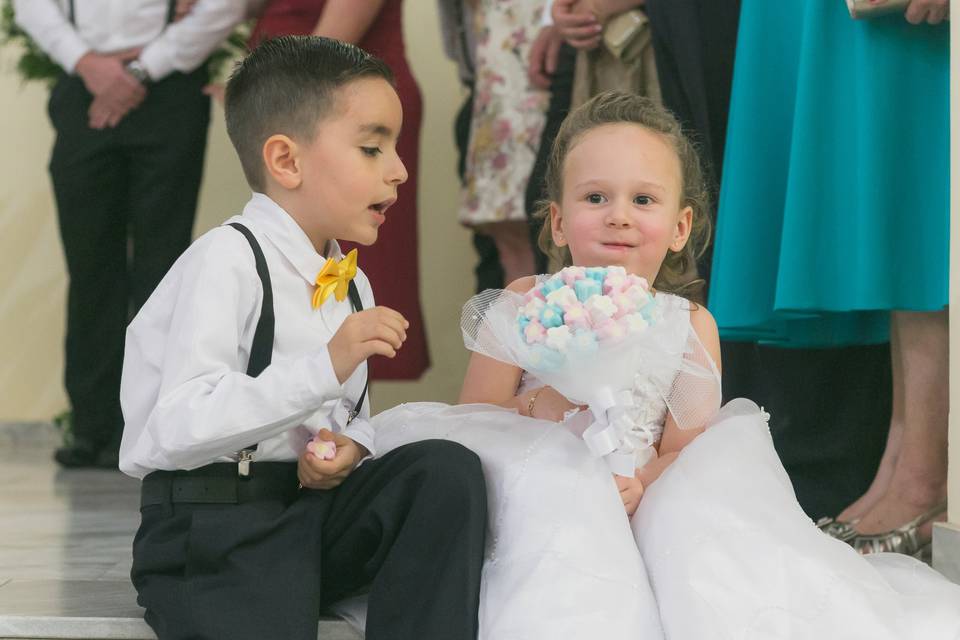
(904, 539)
(842, 530)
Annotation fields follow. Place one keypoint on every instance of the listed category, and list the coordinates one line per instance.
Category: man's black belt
(219, 483)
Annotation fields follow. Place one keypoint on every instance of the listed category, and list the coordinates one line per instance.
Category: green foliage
(34, 64)
(220, 63)
(63, 421)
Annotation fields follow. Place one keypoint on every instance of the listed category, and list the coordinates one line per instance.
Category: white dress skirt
(719, 548)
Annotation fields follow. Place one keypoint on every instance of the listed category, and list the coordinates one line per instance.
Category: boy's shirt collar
(287, 236)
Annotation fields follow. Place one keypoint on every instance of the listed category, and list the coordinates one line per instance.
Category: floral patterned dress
(508, 113)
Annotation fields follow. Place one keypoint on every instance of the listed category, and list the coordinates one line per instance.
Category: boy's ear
(281, 157)
(556, 230)
(682, 232)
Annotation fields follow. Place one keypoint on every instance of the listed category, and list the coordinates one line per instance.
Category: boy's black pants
(408, 527)
(126, 200)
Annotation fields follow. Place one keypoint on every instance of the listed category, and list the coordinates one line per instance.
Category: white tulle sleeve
(693, 393)
(486, 322)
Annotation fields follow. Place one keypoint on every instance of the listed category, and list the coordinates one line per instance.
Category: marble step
(92, 609)
(65, 538)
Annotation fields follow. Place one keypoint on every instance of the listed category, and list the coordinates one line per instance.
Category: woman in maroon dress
(375, 25)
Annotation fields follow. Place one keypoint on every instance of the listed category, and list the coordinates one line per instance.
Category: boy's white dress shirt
(109, 26)
(186, 398)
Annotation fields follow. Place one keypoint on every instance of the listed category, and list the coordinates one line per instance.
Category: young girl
(716, 545)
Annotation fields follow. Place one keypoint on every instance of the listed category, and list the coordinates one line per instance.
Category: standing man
(131, 127)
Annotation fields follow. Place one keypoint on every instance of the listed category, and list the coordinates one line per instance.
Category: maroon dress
(392, 263)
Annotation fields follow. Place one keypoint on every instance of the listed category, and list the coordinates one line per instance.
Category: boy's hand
(631, 490)
(315, 473)
(376, 331)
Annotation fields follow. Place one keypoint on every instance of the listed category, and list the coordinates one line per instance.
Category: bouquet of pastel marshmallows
(588, 332)
(576, 310)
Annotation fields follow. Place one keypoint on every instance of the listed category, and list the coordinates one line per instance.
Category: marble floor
(65, 538)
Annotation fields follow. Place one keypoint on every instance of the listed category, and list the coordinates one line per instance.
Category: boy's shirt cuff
(361, 432)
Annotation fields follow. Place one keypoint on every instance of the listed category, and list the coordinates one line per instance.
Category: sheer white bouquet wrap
(591, 333)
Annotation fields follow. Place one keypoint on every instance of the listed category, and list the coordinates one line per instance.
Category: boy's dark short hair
(286, 85)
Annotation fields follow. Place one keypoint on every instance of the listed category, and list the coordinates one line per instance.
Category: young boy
(239, 348)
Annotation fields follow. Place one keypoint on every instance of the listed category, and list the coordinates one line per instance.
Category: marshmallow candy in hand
(323, 449)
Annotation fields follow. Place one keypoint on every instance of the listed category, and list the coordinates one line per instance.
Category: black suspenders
(171, 12)
(261, 351)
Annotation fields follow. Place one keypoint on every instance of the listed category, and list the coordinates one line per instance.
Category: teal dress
(834, 206)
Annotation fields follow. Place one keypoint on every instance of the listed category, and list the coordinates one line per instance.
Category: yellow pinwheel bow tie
(335, 278)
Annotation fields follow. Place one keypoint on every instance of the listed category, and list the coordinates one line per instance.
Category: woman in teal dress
(833, 224)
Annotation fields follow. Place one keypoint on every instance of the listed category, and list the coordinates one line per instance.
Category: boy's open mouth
(381, 207)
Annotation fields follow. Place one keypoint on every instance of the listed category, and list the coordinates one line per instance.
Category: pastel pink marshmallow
(625, 305)
(615, 284)
(533, 294)
(572, 274)
(576, 317)
(564, 297)
(323, 449)
(610, 330)
(533, 308)
(600, 308)
(534, 332)
(639, 295)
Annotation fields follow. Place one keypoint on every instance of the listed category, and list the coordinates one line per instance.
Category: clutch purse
(621, 29)
(862, 9)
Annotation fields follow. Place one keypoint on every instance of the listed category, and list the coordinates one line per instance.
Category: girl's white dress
(719, 548)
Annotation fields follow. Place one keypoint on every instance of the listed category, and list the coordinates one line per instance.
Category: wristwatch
(138, 71)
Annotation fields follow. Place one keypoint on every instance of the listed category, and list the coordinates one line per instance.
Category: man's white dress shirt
(109, 26)
(186, 398)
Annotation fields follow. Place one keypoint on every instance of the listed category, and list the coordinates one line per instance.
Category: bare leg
(919, 479)
(881, 481)
(513, 244)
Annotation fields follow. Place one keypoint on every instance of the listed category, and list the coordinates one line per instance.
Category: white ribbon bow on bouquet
(614, 417)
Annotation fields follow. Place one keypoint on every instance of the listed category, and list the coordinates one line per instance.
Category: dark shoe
(108, 458)
(76, 456)
(81, 456)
